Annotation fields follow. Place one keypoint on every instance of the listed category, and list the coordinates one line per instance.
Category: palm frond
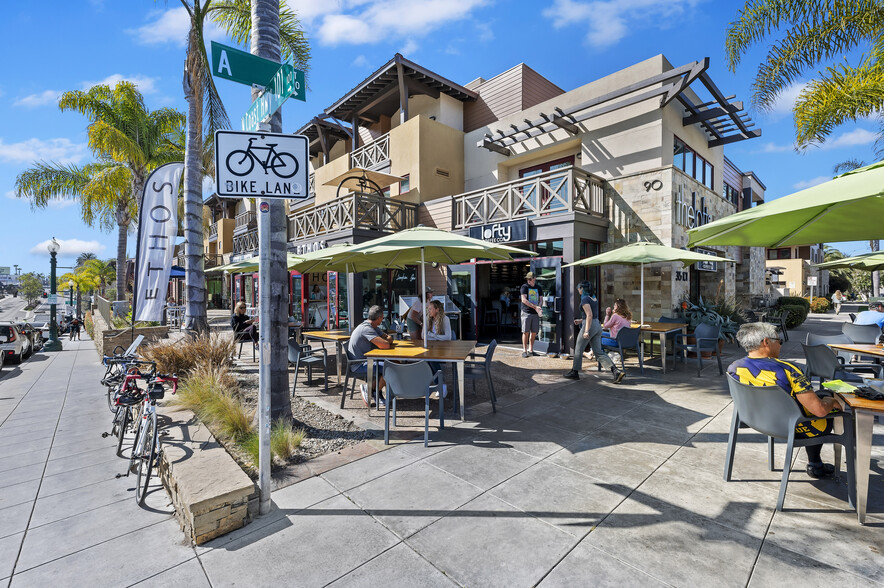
(50, 181)
(842, 94)
(847, 165)
(115, 143)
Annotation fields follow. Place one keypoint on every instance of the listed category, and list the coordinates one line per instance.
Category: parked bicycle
(146, 446)
(241, 162)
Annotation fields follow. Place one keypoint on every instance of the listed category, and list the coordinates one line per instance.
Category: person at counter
(316, 293)
(529, 303)
(367, 336)
(414, 319)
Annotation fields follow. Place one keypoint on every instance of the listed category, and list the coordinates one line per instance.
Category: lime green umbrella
(250, 265)
(422, 245)
(641, 253)
(847, 208)
(337, 258)
(872, 261)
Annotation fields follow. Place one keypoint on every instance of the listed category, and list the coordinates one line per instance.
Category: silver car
(14, 344)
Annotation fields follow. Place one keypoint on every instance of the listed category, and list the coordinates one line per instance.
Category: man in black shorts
(529, 303)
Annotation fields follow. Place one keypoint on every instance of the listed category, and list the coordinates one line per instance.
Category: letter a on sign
(224, 63)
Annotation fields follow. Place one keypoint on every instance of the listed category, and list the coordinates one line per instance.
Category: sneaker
(572, 375)
(365, 397)
(618, 375)
(381, 403)
(525, 354)
(434, 395)
(823, 470)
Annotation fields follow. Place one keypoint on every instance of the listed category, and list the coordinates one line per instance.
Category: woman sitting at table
(615, 320)
(439, 327)
(243, 326)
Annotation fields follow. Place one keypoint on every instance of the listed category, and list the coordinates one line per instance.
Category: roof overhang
(322, 134)
(722, 120)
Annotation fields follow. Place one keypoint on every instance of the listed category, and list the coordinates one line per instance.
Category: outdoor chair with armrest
(825, 365)
(778, 319)
(845, 357)
(241, 337)
(670, 338)
(306, 356)
(706, 336)
(477, 370)
(863, 335)
(412, 380)
(772, 412)
(361, 373)
(628, 338)
(852, 316)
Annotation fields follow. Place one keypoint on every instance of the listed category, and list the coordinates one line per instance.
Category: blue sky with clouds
(64, 45)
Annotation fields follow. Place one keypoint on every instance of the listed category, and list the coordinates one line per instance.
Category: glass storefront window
(591, 274)
(548, 248)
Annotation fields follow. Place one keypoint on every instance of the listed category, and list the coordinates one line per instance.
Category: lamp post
(71, 290)
(53, 344)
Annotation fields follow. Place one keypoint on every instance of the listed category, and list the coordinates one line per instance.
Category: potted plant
(725, 314)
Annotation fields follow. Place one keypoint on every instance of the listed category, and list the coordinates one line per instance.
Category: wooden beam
(491, 146)
(734, 138)
(559, 120)
(321, 132)
(388, 91)
(417, 87)
(403, 91)
(712, 113)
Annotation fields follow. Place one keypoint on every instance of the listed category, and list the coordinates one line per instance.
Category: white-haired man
(762, 367)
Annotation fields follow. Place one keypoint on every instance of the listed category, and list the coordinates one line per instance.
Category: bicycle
(145, 447)
(280, 162)
(126, 399)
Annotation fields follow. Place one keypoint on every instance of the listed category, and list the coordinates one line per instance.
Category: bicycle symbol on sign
(241, 162)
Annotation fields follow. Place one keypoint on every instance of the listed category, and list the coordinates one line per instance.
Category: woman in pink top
(615, 320)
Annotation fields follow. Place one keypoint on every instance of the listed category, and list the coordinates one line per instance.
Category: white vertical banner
(157, 229)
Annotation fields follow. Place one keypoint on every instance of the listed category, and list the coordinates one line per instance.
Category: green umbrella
(643, 252)
(337, 258)
(847, 208)
(422, 245)
(870, 262)
(250, 264)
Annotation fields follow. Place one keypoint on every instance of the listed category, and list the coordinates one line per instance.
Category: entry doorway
(548, 272)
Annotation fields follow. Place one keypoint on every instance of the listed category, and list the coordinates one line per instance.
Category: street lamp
(71, 289)
(53, 344)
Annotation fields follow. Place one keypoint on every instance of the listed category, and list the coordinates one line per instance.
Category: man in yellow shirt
(762, 367)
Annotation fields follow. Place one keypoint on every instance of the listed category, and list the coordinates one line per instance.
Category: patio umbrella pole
(424, 287)
(642, 278)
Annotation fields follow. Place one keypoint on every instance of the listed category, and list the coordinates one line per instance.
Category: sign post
(287, 82)
(811, 282)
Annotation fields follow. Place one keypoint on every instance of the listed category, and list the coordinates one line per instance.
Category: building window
(782, 253)
(732, 195)
(688, 161)
(405, 184)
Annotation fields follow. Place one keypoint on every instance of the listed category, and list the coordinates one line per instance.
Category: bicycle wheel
(240, 162)
(147, 457)
(284, 165)
(121, 423)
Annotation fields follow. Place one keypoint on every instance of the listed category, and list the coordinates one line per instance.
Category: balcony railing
(311, 184)
(372, 154)
(246, 221)
(245, 242)
(565, 190)
(353, 211)
(213, 231)
(209, 260)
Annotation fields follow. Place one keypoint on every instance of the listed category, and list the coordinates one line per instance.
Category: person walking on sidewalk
(75, 328)
(590, 334)
(837, 300)
(529, 302)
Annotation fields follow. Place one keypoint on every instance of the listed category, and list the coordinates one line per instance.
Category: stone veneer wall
(642, 206)
(106, 338)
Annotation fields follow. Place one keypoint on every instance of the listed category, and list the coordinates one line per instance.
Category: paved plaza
(569, 484)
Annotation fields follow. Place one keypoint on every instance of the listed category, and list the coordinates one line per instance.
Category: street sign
(811, 281)
(4, 270)
(287, 82)
(260, 165)
(240, 66)
(52, 299)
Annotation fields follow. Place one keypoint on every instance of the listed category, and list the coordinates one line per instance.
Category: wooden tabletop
(862, 403)
(652, 327)
(435, 350)
(328, 335)
(861, 348)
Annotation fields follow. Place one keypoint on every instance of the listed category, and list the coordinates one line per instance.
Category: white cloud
(607, 22)
(40, 99)
(775, 148)
(409, 48)
(374, 21)
(309, 10)
(852, 138)
(171, 27)
(804, 184)
(64, 203)
(360, 61)
(68, 247)
(11, 195)
(786, 99)
(145, 84)
(58, 150)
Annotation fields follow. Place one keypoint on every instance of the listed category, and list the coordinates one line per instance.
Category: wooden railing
(246, 221)
(564, 190)
(372, 154)
(213, 231)
(353, 211)
(311, 184)
(245, 242)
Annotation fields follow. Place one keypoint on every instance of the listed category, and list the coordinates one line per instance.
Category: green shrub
(284, 440)
(820, 304)
(795, 315)
(183, 356)
(230, 416)
(89, 325)
(793, 301)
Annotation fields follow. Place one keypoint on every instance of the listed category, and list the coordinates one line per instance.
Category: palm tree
(816, 32)
(202, 98)
(84, 257)
(104, 272)
(128, 141)
(83, 280)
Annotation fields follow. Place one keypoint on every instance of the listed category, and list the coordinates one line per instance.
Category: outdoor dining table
(455, 352)
(662, 330)
(864, 412)
(339, 338)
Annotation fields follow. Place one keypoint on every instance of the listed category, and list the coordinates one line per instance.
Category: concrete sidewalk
(587, 483)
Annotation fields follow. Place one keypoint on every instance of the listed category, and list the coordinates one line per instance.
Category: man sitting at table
(762, 367)
(365, 337)
(872, 317)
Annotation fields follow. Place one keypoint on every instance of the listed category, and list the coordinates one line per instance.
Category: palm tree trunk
(122, 231)
(194, 276)
(876, 279)
(265, 43)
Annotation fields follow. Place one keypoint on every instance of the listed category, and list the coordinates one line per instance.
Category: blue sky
(72, 45)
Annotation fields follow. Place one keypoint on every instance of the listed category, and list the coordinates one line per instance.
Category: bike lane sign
(261, 165)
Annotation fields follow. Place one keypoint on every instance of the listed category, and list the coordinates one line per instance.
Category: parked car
(34, 335)
(13, 343)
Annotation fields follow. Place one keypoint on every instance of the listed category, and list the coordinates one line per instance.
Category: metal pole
(424, 293)
(53, 344)
(642, 278)
(264, 327)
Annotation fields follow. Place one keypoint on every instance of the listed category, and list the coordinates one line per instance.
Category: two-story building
(792, 271)
(638, 154)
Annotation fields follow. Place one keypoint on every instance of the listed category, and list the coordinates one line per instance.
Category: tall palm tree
(83, 280)
(202, 98)
(816, 32)
(84, 257)
(128, 141)
(104, 272)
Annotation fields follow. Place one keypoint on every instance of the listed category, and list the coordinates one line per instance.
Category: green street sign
(242, 67)
(287, 82)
